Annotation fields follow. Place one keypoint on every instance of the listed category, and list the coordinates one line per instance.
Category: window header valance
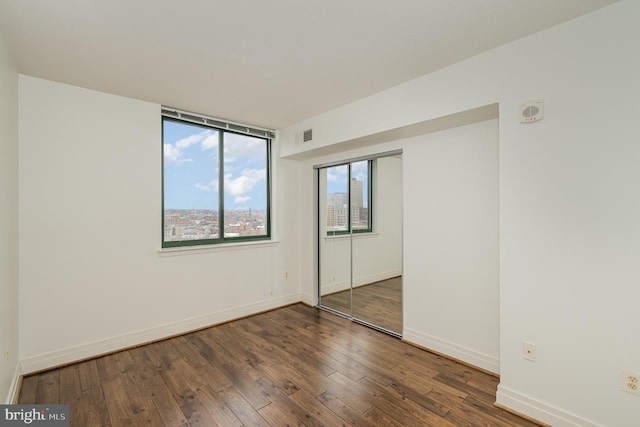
(217, 123)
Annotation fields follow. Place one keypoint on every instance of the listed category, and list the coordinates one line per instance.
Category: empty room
(320, 213)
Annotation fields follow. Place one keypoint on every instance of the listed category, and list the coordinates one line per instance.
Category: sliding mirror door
(377, 254)
(360, 240)
(334, 239)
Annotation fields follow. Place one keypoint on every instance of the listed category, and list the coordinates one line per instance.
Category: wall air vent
(307, 135)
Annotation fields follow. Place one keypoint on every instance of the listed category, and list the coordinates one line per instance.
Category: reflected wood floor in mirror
(378, 303)
(293, 366)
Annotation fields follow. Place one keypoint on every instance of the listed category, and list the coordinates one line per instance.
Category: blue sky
(191, 169)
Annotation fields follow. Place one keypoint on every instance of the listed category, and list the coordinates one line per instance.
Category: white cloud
(173, 155)
(359, 166)
(210, 141)
(360, 170)
(337, 174)
(243, 147)
(361, 177)
(331, 177)
(190, 140)
(237, 148)
(211, 186)
(207, 140)
(242, 199)
(243, 184)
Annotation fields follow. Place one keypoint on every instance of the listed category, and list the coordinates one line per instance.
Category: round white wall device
(532, 112)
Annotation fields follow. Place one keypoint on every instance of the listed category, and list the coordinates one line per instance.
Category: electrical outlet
(529, 351)
(630, 381)
(286, 274)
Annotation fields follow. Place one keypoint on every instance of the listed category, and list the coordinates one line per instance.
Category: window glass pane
(245, 185)
(337, 199)
(360, 195)
(190, 182)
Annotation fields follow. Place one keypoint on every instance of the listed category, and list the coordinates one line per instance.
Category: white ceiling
(264, 62)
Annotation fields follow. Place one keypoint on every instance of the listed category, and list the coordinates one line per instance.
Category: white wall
(569, 205)
(451, 251)
(91, 276)
(9, 221)
(449, 239)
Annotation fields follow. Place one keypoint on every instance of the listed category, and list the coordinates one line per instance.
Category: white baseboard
(308, 299)
(538, 410)
(14, 387)
(97, 348)
(464, 354)
(360, 281)
(335, 287)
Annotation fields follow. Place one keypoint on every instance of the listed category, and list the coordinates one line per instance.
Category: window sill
(225, 247)
(372, 234)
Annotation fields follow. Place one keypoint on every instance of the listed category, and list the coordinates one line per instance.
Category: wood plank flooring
(378, 303)
(295, 366)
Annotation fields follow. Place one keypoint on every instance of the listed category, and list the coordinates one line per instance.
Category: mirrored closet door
(360, 240)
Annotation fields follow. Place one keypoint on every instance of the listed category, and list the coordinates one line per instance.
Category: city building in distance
(200, 224)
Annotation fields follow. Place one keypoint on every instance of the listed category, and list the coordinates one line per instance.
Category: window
(215, 183)
(348, 198)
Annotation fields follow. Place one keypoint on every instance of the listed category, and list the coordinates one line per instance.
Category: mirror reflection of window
(348, 198)
(360, 179)
(337, 199)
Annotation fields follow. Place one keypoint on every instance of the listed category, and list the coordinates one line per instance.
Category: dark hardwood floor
(292, 366)
(378, 303)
